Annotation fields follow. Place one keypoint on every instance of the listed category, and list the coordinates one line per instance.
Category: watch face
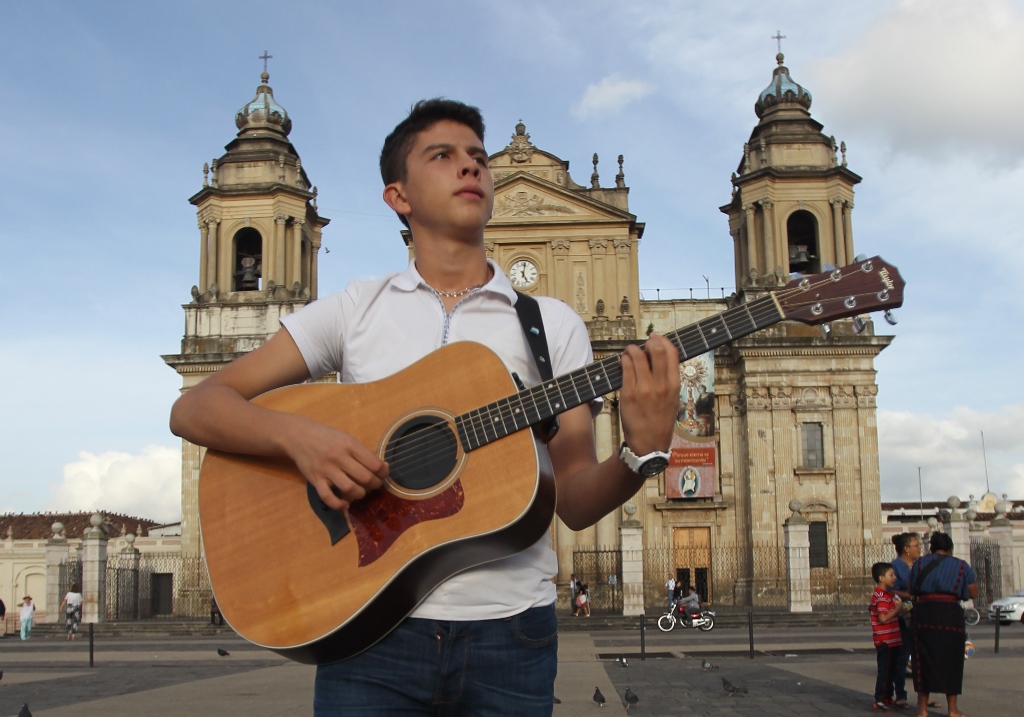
(523, 273)
(653, 467)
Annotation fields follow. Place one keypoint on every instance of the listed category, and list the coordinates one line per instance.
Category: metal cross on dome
(779, 37)
(264, 57)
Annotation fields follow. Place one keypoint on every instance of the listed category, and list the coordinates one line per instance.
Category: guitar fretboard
(550, 398)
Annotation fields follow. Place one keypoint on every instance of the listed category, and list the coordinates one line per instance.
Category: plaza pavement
(795, 673)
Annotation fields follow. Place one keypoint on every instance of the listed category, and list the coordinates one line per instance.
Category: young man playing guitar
(485, 641)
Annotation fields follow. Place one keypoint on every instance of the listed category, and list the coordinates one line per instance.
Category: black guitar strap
(528, 311)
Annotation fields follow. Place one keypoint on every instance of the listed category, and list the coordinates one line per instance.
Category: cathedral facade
(777, 424)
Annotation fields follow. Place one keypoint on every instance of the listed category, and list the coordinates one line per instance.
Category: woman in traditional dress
(72, 607)
(938, 582)
(908, 549)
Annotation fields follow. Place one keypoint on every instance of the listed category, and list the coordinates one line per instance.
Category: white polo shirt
(375, 328)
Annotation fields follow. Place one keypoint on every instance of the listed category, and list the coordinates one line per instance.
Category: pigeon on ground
(23, 712)
(622, 661)
(706, 665)
(733, 689)
(598, 697)
(222, 652)
(631, 698)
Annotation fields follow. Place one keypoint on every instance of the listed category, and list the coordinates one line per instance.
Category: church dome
(782, 90)
(263, 112)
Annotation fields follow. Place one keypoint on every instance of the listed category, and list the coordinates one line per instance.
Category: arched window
(802, 240)
(248, 265)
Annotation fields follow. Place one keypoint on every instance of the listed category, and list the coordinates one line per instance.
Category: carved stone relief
(866, 396)
(842, 397)
(782, 397)
(560, 247)
(580, 292)
(523, 204)
(756, 398)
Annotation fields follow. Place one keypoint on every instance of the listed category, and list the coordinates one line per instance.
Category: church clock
(523, 273)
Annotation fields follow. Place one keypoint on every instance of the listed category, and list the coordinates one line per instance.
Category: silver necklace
(456, 294)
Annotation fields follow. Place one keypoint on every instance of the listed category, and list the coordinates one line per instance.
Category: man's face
(448, 186)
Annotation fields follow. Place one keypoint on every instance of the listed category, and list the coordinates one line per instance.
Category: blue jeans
(26, 628)
(899, 678)
(438, 667)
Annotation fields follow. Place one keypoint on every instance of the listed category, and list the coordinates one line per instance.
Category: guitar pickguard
(379, 519)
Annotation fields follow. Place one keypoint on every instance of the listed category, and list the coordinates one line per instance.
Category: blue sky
(111, 109)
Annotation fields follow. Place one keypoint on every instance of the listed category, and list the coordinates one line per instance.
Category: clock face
(523, 273)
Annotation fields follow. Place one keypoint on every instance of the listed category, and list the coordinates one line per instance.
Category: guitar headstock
(866, 285)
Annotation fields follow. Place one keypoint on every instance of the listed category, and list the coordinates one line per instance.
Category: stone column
(94, 572)
(204, 233)
(848, 233)
(278, 251)
(212, 242)
(1001, 530)
(295, 275)
(56, 553)
(607, 527)
(838, 249)
(798, 559)
(751, 241)
(958, 529)
(769, 241)
(314, 272)
(631, 538)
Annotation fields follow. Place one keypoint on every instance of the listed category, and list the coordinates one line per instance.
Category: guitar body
(279, 578)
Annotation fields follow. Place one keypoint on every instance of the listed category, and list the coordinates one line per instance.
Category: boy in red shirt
(885, 629)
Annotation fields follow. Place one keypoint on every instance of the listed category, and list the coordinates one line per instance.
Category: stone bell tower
(259, 235)
(792, 196)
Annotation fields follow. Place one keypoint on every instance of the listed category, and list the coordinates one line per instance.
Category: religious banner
(692, 467)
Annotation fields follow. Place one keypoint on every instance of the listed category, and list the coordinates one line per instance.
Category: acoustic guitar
(318, 585)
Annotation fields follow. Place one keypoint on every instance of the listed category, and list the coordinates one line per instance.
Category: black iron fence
(156, 585)
(986, 561)
(600, 569)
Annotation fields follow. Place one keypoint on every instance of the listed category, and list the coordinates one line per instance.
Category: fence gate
(601, 570)
(985, 559)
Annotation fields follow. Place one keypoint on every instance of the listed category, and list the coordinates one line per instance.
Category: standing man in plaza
(485, 641)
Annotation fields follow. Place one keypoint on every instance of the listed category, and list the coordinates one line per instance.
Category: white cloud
(611, 94)
(949, 452)
(147, 485)
(934, 77)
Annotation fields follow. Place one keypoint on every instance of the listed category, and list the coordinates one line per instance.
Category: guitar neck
(550, 398)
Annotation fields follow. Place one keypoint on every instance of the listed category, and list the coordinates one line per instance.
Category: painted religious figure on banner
(693, 464)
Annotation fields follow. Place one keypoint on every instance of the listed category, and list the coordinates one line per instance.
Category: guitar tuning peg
(859, 258)
(859, 324)
(826, 330)
(890, 316)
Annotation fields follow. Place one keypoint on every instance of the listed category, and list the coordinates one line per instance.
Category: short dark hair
(878, 570)
(423, 115)
(941, 541)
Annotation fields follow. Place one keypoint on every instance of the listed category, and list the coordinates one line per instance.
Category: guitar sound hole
(421, 453)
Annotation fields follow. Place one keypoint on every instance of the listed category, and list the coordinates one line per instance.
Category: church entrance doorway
(691, 553)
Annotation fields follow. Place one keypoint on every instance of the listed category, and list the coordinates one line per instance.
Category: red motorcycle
(687, 615)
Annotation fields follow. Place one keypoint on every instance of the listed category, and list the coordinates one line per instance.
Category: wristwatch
(648, 465)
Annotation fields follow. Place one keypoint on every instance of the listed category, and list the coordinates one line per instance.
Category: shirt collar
(410, 280)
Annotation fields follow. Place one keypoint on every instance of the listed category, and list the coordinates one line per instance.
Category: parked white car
(1009, 608)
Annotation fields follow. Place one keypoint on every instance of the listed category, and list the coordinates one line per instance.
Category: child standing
(885, 629)
(28, 610)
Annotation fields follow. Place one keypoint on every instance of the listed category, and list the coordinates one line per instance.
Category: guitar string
(423, 444)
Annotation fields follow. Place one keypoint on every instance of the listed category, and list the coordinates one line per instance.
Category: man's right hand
(340, 468)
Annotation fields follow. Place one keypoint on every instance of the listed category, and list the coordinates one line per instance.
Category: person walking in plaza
(72, 607)
(573, 585)
(885, 607)
(25, 615)
(487, 637)
(938, 582)
(3, 619)
(908, 549)
(670, 586)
